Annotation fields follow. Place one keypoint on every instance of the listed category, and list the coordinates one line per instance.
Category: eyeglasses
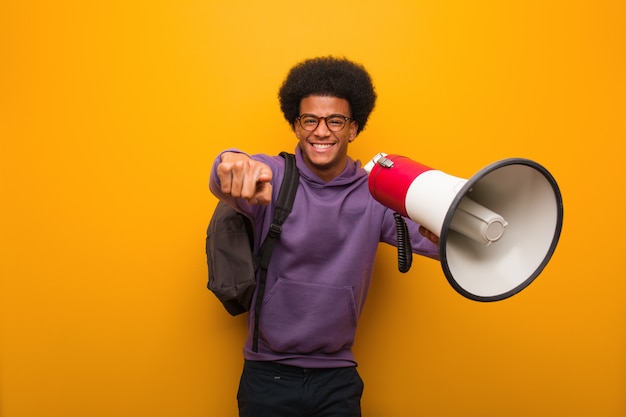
(334, 122)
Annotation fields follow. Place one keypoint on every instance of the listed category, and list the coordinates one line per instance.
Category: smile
(322, 145)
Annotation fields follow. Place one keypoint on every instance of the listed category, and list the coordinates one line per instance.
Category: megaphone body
(497, 230)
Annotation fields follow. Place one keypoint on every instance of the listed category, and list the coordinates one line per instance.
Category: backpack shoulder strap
(284, 203)
(288, 189)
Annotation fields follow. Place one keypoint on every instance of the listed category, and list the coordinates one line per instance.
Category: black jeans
(269, 389)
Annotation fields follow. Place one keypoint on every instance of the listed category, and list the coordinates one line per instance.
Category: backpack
(229, 249)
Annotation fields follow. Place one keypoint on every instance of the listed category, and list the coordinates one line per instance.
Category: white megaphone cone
(497, 230)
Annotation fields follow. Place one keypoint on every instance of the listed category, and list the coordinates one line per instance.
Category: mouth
(322, 146)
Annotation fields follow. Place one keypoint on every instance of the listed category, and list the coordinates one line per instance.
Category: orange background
(112, 111)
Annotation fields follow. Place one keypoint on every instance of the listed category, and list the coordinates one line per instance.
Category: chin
(322, 160)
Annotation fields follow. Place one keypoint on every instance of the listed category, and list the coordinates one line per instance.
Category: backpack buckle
(274, 230)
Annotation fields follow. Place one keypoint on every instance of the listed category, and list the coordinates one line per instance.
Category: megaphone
(497, 230)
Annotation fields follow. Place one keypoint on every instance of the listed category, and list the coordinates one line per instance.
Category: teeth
(322, 145)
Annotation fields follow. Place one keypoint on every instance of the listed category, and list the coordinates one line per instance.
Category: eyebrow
(325, 117)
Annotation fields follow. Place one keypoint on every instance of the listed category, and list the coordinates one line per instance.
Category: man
(321, 267)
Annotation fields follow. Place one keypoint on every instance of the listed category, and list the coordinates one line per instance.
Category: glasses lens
(335, 123)
(309, 122)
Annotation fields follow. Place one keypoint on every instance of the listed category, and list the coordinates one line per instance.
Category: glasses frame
(325, 118)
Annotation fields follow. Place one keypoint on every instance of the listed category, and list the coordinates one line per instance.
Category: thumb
(265, 175)
(263, 192)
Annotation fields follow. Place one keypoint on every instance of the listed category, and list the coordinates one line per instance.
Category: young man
(321, 267)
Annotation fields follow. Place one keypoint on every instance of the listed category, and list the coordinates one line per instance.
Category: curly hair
(328, 76)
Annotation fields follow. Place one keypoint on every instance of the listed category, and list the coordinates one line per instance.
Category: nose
(322, 128)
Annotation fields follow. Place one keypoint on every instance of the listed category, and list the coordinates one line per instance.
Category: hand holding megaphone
(429, 235)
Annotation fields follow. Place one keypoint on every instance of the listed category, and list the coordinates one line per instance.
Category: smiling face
(325, 152)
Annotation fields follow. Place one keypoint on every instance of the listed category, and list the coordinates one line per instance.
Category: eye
(335, 121)
(308, 120)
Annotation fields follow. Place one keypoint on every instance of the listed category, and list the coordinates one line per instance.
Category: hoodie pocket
(305, 318)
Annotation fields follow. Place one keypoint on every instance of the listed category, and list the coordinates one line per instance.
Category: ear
(295, 129)
(354, 129)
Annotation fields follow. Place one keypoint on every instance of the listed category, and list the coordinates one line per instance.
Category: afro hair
(328, 76)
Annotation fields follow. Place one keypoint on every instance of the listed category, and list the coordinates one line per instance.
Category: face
(325, 152)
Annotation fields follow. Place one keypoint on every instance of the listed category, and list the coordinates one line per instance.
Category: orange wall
(111, 113)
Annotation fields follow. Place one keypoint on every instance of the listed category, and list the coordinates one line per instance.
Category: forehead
(324, 106)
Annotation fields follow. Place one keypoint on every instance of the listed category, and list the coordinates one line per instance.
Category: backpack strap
(284, 203)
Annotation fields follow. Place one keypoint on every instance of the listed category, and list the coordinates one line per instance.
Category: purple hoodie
(321, 267)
